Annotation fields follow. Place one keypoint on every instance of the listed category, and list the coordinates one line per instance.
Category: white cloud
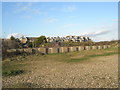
(97, 33)
(26, 16)
(105, 32)
(27, 8)
(20, 7)
(16, 35)
(36, 11)
(101, 35)
(50, 20)
(104, 38)
(116, 20)
(105, 28)
(69, 8)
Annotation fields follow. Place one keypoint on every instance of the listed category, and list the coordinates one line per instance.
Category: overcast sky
(97, 20)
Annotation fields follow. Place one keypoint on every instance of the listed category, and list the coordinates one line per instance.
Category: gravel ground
(100, 72)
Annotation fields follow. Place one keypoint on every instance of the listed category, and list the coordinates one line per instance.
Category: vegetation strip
(12, 72)
(91, 56)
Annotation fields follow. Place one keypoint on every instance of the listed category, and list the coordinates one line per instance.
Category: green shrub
(40, 40)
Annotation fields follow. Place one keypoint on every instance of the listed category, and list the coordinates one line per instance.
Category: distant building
(57, 39)
(68, 38)
(31, 39)
(27, 39)
(23, 40)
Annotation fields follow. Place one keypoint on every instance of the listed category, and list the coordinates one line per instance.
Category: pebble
(69, 76)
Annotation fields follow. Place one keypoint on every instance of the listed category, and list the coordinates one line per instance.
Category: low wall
(93, 47)
(104, 46)
(41, 50)
(80, 48)
(29, 50)
(87, 47)
(64, 49)
(99, 47)
(72, 49)
(53, 50)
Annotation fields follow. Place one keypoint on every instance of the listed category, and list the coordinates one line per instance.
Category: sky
(98, 20)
